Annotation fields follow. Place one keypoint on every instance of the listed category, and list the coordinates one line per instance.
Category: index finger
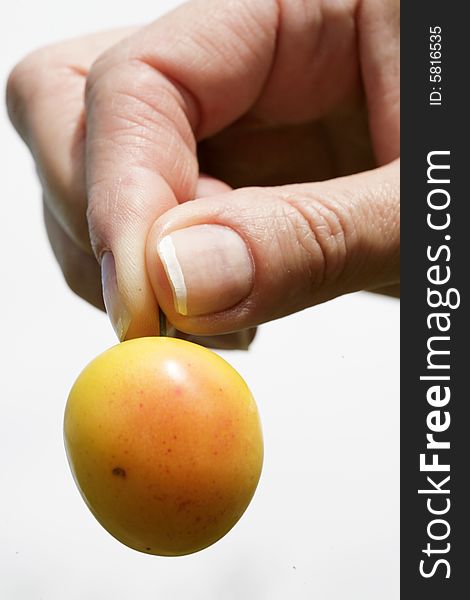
(148, 100)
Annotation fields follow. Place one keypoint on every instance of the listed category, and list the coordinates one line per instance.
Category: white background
(324, 521)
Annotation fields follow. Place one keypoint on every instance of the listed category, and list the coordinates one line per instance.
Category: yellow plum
(164, 441)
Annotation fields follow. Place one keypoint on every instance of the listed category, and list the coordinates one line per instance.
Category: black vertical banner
(435, 415)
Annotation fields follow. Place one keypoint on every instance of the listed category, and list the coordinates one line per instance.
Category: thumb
(238, 259)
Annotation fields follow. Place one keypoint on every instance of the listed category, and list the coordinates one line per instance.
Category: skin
(164, 441)
(308, 144)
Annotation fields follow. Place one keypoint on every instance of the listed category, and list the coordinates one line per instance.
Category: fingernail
(115, 307)
(208, 266)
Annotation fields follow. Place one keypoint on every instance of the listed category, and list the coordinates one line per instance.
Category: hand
(211, 97)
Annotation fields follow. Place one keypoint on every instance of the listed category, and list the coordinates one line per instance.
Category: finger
(45, 98)
(379, 46)
(223, 263)
(147, 101)
(80, 269)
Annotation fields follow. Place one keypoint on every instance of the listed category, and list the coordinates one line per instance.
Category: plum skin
(164, 441)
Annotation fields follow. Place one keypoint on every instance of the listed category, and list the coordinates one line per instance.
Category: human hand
(263, 93)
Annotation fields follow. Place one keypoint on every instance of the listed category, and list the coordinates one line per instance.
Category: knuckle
(95, 72)
(113, 61)
(108, 75)
(17, 91)
(321, 229)
(24, 83)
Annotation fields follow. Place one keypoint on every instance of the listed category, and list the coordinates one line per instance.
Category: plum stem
(162, 321)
